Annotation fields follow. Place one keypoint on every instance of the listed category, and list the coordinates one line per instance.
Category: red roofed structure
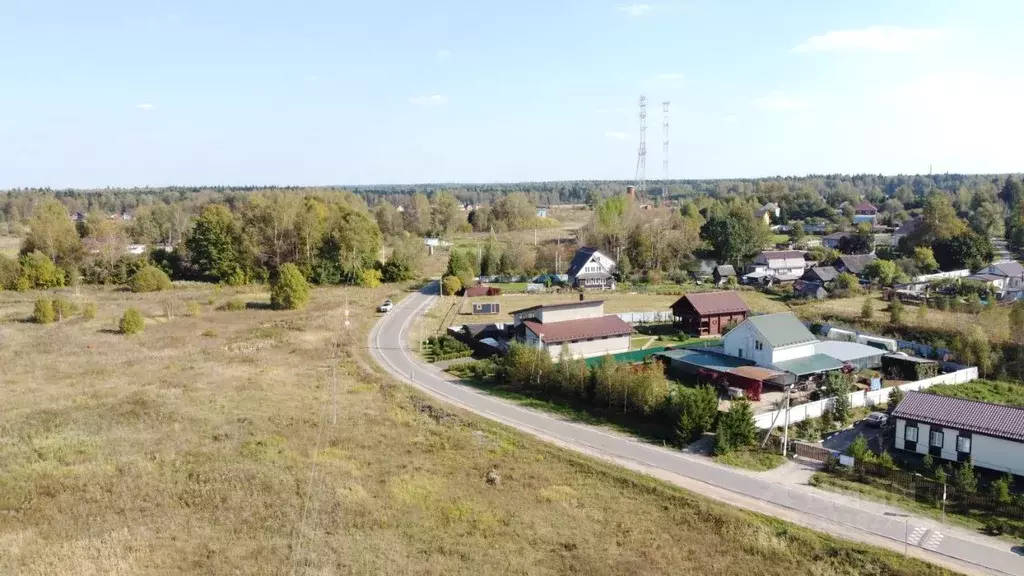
(709, 313)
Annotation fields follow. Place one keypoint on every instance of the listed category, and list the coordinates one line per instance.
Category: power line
(664, 149)
(641, 152)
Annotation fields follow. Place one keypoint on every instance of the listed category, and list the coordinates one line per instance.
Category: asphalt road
(388, 342)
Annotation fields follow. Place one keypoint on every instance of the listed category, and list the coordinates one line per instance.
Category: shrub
(235, 305)
(395, 271)
(369, 278)
(192, 308)
(1000, 489)
(290, 291)
(867, 311)
(131, 322)
(450, 285)
(237, 278)
(697, 411)
(965, 479)
(10, 272)
(89, 311)
(858, 449)
(736, 428)
(43, 313)
(63, 309)
(38, 271)
(896, 309)
(149, 279)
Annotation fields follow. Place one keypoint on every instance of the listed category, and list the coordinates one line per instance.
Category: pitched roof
(555, 332)
(812, 364)
(984, 277)
(782, 329)
(1010, 268)
(855, 263)
(768, 255)
(580, 259)
(724, 302)
(981, 417)
(837, 235)
(725, 270)
(565, 306)
(822, 273)
(865, 205)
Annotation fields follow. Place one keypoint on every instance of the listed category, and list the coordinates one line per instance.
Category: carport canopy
(813, 364)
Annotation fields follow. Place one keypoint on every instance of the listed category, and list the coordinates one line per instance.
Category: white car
(385, 307)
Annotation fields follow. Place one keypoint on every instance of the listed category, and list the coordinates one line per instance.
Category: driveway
(840, 441)
(960, 549)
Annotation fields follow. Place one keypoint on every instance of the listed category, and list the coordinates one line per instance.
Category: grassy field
(757, 460)
(994, 322)
(263, 442)
(1009, 393)
(9, 245)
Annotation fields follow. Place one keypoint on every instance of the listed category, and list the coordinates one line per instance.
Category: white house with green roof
(779, 341)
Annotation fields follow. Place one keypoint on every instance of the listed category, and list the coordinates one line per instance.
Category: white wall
(872, 398)
(549, 316)
(901, 428)
(593, 348)
(792, 352)
(997, 454)
(923, 438)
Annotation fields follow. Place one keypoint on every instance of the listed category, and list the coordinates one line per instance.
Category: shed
(722, 273)
(808, 365)
(853, 353)
(707, 313)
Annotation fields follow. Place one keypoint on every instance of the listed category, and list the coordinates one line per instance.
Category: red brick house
(709, 313)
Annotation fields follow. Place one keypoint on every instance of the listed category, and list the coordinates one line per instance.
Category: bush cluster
(149, 279)
(289, 291)
(131, 322)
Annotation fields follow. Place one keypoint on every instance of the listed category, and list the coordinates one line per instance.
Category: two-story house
(580, 327)
(865, 212)
(590, 268)
(1003, 276)
(776, 266)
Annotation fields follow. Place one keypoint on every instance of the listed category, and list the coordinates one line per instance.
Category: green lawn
(780, 238)
(996, 392)
(751, 459)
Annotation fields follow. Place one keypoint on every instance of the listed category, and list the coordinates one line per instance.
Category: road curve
(388, 343)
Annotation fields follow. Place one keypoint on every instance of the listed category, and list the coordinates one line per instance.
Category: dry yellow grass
(9, 245)
(190, 448)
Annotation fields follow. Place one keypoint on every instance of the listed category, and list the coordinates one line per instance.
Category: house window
(936, 438)
(910, 434)
(963, 444)
(758, 345)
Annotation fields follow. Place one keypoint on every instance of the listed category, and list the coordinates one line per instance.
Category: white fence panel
(862, 398)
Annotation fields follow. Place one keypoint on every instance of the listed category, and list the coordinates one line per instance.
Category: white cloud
(146, 107)
(434, 100)
(731, 119)
(872, 39)
(616, 135)
(778, 100)
(444, 53)
(635, 9)
(670, 76)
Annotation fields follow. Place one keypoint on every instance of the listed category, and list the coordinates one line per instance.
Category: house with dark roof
(722, 273)
(906, 229)
(767, 212)
(708, 313)
(590, 268)
(955, 429)
(865, 208)
(854, 263)
(820, 274)
(810, 289)
(832, 240)
(581, 327)
(1005, 276)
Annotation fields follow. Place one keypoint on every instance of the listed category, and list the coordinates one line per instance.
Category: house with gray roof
(590, 268)
(854, 263)
(955, 429)
(778, 341)
(1004, 276)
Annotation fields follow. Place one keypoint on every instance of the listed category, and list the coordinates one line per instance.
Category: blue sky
(140, 92)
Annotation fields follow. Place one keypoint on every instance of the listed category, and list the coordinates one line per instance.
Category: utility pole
(785, 433)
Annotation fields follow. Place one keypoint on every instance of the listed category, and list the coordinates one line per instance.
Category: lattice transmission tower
(641, 152)
(664, 149)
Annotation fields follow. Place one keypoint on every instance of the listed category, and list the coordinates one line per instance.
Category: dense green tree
(52, 233)
(896, 311)
(389, 220)
(736, 428)
(736, 235)
(450, 285)
(965, 478)
(837, 387)
(39, 272)
(10, 272)
(698, 408)
(515, 211)
(214, 244)
(149, 279)
(924, 259)
(289, 290)
(418, 215)
(446, 214)
(461, 264)
(860, 242)
(964, 250)
(882, 272)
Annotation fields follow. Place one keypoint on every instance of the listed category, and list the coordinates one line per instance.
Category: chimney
(631, 191)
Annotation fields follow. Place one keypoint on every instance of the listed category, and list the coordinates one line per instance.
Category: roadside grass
(974, 520)
(996, 392)
(190, 448)
(751, 459)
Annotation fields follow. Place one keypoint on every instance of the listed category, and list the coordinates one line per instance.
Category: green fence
(629, 357)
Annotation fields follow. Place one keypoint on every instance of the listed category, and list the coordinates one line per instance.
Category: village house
(722, 273)
(581, 327)
(776, 266)
(955, 429)
(865, 212)
(854, 263)
(590, 268)
(906, 229)
(780, 342)
(709, 313)
(1003, 276)
(833, 240)
(820, 274)
(767, 212)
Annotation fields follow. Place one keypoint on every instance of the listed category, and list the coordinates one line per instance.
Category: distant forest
(16, 204)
